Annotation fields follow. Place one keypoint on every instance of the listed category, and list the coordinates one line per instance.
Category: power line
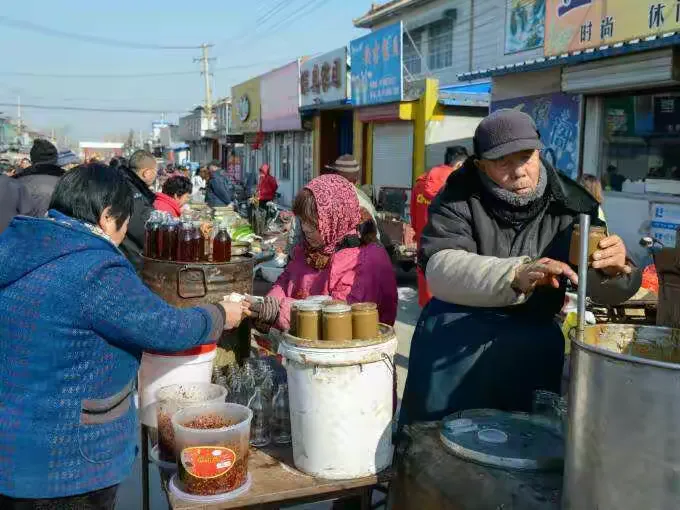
(106, 41)
(94, 109)
(136, 75)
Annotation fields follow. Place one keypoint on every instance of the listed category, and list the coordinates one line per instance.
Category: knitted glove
(265, 311)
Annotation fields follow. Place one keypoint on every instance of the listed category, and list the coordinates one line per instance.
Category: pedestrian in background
(175, 195)
(42, 176)
(220, 190)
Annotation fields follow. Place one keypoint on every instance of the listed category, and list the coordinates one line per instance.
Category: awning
(471, 94)
(577, 57)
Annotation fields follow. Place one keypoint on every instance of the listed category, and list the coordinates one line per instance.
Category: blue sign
(377, 72)
(557, 119)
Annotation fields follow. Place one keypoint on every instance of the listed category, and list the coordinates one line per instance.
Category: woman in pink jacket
(333, 260)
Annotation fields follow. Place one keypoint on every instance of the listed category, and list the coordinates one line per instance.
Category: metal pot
(623, 451)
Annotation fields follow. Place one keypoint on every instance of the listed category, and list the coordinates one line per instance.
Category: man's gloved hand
(542, 272)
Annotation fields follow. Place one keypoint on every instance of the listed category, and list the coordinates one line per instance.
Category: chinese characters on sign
(377, 67)
(571, 25)
(323, 79)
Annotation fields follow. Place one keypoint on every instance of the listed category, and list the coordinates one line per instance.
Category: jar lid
(308, 306)
(364, 307)
(319, 299)
(337, 308)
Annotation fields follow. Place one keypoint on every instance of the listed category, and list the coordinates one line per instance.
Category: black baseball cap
(505, 132)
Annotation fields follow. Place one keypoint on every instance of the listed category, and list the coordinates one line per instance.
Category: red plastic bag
(650, 279)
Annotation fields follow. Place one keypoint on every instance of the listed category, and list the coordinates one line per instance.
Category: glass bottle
(259, 426)
(150, 235)
(249, 385)
(170, 233)
(198, 243)
(222, 245)
(185, 242)
(267, 388)
(219, 377)
(281, 416)
(236, 394)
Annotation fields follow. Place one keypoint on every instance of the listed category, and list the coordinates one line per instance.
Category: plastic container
(163, 369)
(341, 407)
(364, 321)
(211, 460)
(172, 399)
(337, 322)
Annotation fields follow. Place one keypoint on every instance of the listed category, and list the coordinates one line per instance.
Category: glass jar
(222, 245)
(151, 227)
(308, 321)
(595, 235)
(364, 321)
(293, 318)
(185, 242)
(170, 236)
(337, 322)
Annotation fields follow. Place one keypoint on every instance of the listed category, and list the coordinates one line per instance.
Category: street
(130, 493)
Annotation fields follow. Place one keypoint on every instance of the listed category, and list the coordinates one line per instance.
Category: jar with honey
(293, 317)
(337, 322)
(364, 321)
(308, 320)
(222, 245)
(595, 235)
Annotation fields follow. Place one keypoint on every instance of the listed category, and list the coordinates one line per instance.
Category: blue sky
(232, 25)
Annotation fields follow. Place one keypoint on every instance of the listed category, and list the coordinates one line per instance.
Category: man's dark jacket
(40, 181)
(133, 244)
(465, 216)
(220, 191)
(14, 200)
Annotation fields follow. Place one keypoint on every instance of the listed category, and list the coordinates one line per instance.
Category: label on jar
(207, 461)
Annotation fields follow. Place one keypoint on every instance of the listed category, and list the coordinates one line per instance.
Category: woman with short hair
(74, 320)
(175, 195)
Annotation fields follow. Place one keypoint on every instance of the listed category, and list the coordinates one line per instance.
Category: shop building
(616, 68)
(246, 121)
(197, 130)
(286, 146)
(324, 101)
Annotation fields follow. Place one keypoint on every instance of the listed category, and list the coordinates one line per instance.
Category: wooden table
(277, 484)
(430, 477)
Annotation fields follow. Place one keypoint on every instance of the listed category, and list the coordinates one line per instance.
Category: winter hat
(44, 153)
(505, 132)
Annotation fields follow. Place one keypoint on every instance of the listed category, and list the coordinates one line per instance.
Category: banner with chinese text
(573, 25)
(376, 73)
(323, 79)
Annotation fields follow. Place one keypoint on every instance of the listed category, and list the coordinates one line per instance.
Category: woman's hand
(611, 257)
(543, 272)
(233, 312)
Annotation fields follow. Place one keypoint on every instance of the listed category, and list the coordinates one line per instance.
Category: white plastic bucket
(158, 370)
(341, 408)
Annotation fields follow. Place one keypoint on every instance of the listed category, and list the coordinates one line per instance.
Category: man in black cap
(41, 177)
(495, 253)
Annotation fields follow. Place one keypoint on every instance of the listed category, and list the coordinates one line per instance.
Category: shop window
(440, 44)
(412, 51)
(641, 150)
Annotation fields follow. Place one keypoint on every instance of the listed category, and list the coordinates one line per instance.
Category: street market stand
(276, 484)
(430, 477)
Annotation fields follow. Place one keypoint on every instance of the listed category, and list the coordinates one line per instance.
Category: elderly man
(220, 189)
(495, 255)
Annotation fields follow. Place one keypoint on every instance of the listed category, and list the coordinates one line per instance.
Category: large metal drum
(623, 446)
(190, 284)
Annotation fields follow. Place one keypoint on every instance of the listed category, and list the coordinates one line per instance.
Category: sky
(249, 37)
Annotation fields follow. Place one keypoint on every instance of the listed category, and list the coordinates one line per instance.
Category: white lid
(319, 299)
(308, 306)
(337, 308)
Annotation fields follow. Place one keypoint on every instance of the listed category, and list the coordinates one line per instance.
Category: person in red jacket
(176, 193)
(426, 188)
(266, 187)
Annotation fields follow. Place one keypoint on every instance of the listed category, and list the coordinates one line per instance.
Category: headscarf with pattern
(338, 212)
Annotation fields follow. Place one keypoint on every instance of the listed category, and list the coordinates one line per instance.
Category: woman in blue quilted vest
(74, 320)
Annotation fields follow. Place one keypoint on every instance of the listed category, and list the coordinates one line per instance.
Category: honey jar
(364, 321)
(308, 320)
(595, 235)
(293, 318)
(337, 322)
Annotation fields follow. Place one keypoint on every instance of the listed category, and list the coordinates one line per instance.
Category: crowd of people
(493, 240)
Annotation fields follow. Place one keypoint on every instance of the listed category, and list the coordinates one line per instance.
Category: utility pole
(205, 71)
(19, 114)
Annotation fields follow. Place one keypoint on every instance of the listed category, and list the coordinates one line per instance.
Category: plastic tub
(172, 399)
(162, 369)
(341, 405)
(212, 442)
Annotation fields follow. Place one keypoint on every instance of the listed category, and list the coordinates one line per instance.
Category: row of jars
(322, 318)
(185, 240)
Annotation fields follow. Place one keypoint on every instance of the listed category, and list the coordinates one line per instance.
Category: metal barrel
(187, 284)
(623, 448)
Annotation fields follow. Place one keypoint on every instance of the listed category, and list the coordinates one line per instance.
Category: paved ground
(129, 496)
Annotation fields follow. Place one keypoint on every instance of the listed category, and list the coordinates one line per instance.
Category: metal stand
(584, 227)
(145, 467)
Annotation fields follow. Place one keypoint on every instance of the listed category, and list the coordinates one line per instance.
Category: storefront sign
(323, 79)
(557, 118)
(245, 116)
(281, 99)
(572, 25)
(377, 71)
(524, 25)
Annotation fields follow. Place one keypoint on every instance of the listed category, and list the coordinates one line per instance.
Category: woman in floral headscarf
(334, 259)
